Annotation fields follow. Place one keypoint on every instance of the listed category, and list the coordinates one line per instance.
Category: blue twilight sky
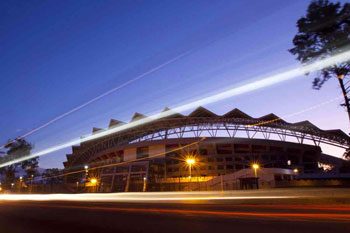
(56, 55)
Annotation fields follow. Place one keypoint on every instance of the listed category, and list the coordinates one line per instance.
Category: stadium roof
(203, 119)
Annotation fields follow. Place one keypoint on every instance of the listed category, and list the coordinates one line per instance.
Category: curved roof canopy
(203, 119)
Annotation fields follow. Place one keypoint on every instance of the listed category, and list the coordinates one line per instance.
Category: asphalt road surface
(311, 215)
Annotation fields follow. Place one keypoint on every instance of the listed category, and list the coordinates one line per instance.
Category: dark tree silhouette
(324, 31)
(52, 176)
(31, 167)
(17, 149)
(347, 154)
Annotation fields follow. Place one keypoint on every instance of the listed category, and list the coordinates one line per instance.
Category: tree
(52, 176)
(17, 149)
(323, 32)
(9, 175)
(347, 154)
(31, 167)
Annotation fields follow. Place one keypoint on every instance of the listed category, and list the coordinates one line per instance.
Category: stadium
(174, 152)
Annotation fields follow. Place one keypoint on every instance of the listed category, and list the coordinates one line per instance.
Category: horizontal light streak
(133, 197)
(246, 88)
(287, 212)
(151, 71)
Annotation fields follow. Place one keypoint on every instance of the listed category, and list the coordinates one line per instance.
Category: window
(173, 169)
(241, 148)
(119, 155)
(258, 148)
(278, 177)
(142, 152)
(210, 159)
(108, 170)
(276, 149)
(138, 168)
(119, 169)
(172, 151)
(265, 157)
(224, 148)
(203, 151)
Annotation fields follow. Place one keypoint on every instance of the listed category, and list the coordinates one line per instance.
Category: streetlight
(255, 166)
(93, 181)
(190, 162)
(31, 183)
(20, 183)
(86, 167)
(296, 170)
(144, 184)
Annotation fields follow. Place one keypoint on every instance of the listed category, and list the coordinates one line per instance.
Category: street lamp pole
(144, 184)
(86, 167)
(31, 183)
(255, 166)
(190, 162)
(20, 183)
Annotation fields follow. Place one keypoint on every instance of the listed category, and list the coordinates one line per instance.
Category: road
(191, 215)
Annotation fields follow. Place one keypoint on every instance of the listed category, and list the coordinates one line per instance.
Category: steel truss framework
(179, 127)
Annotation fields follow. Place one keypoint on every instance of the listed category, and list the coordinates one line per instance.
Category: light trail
(191, 144)
(284, 211)
(103, 95)
(337, 207)
(124, 162)
(243, 89)
(135, 197)
(257, 211)
(344, 217)
(299, 112)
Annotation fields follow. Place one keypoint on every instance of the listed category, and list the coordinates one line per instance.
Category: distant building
(153, 156)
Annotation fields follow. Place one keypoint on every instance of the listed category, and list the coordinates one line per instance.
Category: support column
(128, 180)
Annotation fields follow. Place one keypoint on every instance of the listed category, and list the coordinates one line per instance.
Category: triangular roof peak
(307, 124)
(173, 113)
(166, 109)
(95, 129)
(114, 122)
(272, 118)
(137, 116)
(202, 112)
(338, 132)
(236, 113)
